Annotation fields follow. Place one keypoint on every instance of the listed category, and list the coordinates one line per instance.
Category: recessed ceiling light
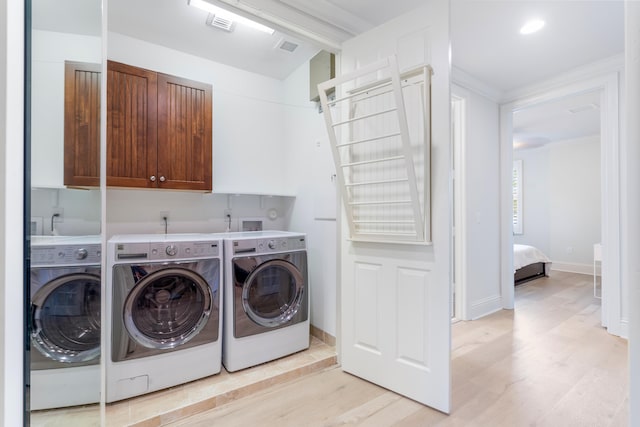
(532, 26)
(229, 16)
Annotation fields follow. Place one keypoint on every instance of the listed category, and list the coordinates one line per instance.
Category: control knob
(172, 250)
(81, 253)
(272, 244)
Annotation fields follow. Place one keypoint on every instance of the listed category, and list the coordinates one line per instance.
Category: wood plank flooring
(546, 363)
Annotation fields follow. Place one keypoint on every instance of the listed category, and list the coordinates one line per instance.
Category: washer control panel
(66, 254)
(269, 245)
(166, 250)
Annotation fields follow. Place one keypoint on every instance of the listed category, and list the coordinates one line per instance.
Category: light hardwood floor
(547, 363)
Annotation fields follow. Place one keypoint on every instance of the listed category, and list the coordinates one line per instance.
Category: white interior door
(395, 298)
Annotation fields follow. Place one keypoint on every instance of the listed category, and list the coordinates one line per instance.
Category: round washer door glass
(273, 293)
(66, 318)
(167, 308)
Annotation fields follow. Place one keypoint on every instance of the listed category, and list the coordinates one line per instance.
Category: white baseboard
(485, 307)
(574, 268)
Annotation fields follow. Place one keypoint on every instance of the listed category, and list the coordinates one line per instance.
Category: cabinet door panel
(131, 126)
(81, 124)
(184, 134)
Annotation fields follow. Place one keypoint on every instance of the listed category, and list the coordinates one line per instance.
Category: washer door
(273, 293)
(66, 318)
(167, 308)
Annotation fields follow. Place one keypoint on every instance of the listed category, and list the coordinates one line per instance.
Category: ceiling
(486, 42)
(484, 38)
(487, 45)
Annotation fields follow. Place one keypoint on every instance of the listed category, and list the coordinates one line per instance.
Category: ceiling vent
(219, 22)
(287, 45)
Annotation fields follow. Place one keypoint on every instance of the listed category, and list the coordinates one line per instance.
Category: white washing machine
(64, 321)
(266, 297)
(164, 319)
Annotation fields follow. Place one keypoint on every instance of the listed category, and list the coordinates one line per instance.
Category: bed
(529, 263)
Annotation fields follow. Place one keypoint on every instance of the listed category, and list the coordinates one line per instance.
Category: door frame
(459, 113)
(608, 85)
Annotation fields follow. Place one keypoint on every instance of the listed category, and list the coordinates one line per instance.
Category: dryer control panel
(167, 250)
(66, 254)
(269, 245)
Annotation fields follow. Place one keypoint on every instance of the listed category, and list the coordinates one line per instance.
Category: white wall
(481, 216)
(536, 198)
(575, 201)
(310, 172)
(138, 211)
(11, 203)
(477, 219)
(562, 201)
(631, 207)
(80, 215)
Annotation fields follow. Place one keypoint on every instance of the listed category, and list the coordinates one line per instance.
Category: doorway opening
(557, 185)
(606, 88)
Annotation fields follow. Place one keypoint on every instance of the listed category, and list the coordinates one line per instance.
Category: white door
(395, 298)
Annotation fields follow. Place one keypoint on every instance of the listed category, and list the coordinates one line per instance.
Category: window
(517, 196)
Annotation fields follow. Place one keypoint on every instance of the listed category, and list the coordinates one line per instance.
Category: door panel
(131, 126)
(184, 134)
(82, 124)
(365, 306)
(412, 328)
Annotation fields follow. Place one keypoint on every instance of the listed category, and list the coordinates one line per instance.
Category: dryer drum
(167, 308)
(66, 318)
(272, 294)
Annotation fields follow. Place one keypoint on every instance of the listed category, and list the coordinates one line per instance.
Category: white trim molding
(486, 306)
(570, 267)
(465, 80)
(460, 113)
(599, 68)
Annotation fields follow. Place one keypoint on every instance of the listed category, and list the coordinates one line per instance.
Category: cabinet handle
(162, 178)
(153, 178)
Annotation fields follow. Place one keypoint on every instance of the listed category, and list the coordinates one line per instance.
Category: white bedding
(524, 255)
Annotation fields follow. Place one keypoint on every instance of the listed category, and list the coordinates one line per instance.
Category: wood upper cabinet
(131, 126)
(81, 124)
(158, 130)
(184, 133)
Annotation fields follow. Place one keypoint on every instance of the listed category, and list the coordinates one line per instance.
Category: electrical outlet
(163, 215)
(57, 214)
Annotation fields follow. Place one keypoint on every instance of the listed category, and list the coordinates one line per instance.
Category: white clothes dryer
(64, 329)
(164, 318)
(266, 297)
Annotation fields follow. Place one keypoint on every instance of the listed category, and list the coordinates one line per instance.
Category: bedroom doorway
(557, 185)
(606, 91)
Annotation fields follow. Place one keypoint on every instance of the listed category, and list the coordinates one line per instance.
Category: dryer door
(167, 308)
(273, 293)
(66, 318)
